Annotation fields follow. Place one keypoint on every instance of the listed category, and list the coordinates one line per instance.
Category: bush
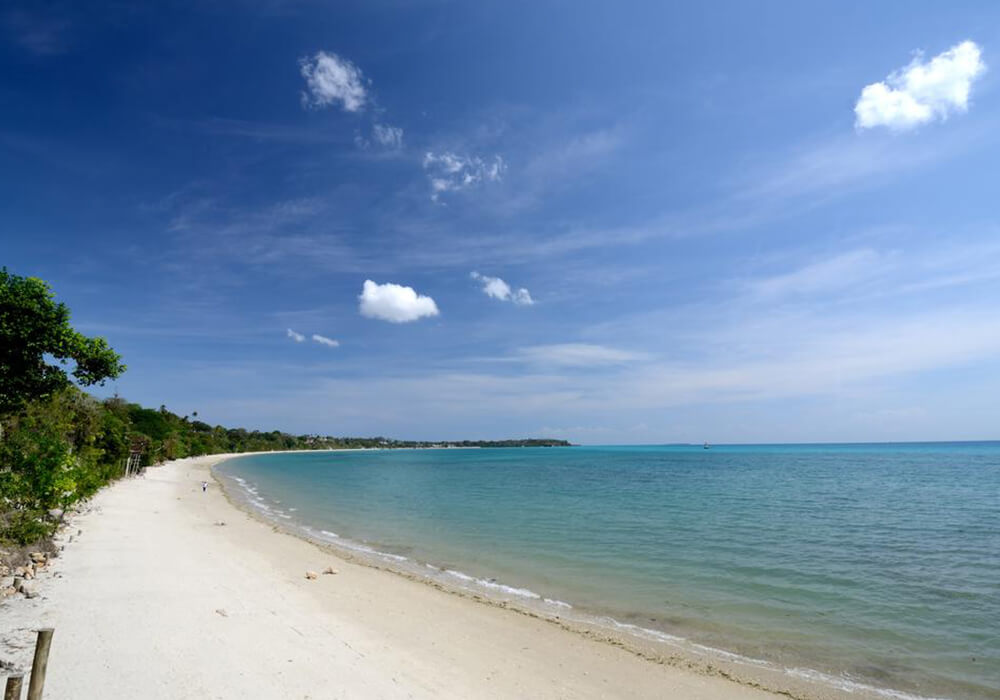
(51, 457)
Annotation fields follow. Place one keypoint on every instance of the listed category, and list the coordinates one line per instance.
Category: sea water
(864, 566)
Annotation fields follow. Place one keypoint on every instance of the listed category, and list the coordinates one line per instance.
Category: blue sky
(613, 223)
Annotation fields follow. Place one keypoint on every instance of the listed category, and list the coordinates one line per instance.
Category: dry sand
(154, 599)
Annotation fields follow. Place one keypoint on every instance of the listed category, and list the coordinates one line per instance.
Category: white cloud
(498, 289)
(494, 287)
(297, 337)
(522, 298)
(387, 135)
(845, 271)
(329, 79)
(449, 172)
(922, 91)
(394, 303)
(578, 355)
(323, 340)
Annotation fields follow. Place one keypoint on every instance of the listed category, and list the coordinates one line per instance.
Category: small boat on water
(705, 446)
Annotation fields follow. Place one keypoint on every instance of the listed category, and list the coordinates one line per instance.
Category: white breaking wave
(355, 547)
(493, 585)
(841, 683)
(852, 686)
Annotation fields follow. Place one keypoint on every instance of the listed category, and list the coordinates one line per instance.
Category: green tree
(34, 331)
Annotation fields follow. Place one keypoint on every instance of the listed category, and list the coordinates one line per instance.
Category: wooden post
(13, 690)
(40, 664)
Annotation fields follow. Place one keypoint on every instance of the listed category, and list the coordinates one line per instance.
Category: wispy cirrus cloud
(383, 136)
(861, 275)
(387, 135)
(42, 33)
(922, 91)
(332, 79)
(823, 169)
(394, 303)
(291, 237)
(451, 172)
(258, 131)
(836, 272)
(496, 288)
(578, 355)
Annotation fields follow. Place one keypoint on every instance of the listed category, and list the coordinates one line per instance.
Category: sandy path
(154, 600)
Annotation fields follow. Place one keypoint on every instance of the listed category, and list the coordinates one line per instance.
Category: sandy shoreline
(155, 599)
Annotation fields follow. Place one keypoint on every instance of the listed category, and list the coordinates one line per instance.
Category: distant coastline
(386, 443)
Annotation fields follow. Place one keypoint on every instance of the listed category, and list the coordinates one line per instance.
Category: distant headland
(386, 443)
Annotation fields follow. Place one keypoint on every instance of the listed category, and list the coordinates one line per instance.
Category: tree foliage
(34, 331)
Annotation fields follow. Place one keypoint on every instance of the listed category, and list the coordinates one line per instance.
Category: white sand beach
(154, 599)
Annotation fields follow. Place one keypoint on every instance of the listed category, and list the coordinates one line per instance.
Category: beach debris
(37, 557)
(7, 591)
(330, 570)
(28, 591)
(220, 523)
(311, 575)
(221, 611)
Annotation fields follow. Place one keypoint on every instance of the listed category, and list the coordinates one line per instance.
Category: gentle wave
(253, 498)
(851, 686)
(492, 584)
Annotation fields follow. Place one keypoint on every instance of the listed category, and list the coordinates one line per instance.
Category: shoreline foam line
(480, 589)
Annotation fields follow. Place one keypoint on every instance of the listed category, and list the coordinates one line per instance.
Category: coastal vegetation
(59, 445)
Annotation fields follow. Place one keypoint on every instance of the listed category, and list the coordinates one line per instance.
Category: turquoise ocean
(868, 566)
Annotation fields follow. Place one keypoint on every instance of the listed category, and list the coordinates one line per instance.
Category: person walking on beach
(204, 486)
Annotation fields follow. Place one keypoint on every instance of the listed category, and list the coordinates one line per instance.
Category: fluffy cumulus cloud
(331, 79)
(498, 289)
(323, 340)
(297, 337)
(387, 136)
(394, 303)
(923, 91)
(450, 172)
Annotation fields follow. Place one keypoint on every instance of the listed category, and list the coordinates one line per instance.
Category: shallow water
(870, 564)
